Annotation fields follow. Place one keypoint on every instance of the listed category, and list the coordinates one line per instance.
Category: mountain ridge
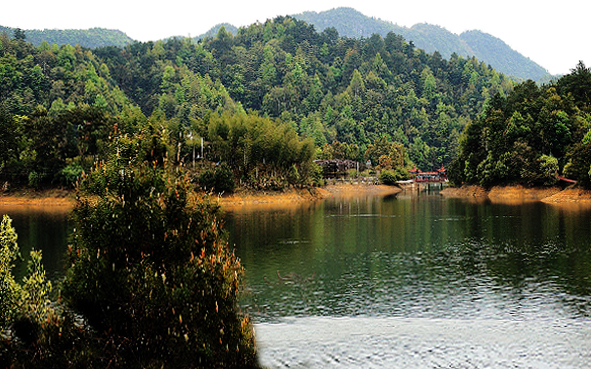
(351, 23)
(91, 37)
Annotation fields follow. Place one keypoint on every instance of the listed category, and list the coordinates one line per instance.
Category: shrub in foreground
(150, 281)
(151, 273)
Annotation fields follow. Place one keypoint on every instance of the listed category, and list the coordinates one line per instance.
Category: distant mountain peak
(485, 47)
(91, 38)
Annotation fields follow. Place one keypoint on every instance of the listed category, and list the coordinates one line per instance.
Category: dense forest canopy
(349, 23)
(59, 105)
(531, 136)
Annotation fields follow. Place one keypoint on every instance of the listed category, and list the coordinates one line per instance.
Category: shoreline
(64, 200)
(300, 197)
(47, 198)
(519, 193)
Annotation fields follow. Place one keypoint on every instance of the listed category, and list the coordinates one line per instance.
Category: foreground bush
(150, 281)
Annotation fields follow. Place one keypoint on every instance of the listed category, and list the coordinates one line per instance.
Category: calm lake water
(409, 281)
(418, 282)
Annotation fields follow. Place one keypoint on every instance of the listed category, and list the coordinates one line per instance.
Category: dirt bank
(44, 199)
(299, 197)
(570, 195)
(519, 193)
(293, 196)
(62, 200)
(351, 190)
(464, 191)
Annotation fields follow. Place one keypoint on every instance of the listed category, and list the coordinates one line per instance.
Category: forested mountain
(91, 38)
(491, 50)
(348, 23)
(266, 101)
(504, 59)
(329, 88)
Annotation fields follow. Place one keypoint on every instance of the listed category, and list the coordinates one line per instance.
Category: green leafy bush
(388, 177)
(36, 179)
(220, 179)
(70, 174)
(402, 174)
(317, 175)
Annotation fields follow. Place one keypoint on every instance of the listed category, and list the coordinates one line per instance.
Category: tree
(9, 289)
(578, 166)
(19, 34)
(429, 84)
(577, 83)
(8, 141)
(356, 86)
(390, 154)
(150, 273)
(548, 170)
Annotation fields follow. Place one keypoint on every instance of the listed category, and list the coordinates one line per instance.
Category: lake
(409, 281)
(418, 281)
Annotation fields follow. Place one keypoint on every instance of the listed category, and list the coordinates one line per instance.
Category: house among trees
(437, 176)
(336, 167)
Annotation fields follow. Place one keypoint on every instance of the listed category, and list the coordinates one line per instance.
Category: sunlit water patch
(370, 342)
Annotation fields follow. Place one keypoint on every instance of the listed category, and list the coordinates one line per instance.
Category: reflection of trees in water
(424, 255)
(41, 228)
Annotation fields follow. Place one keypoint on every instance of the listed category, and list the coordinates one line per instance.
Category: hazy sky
(551, 33)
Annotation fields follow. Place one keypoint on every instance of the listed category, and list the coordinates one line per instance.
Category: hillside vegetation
(531, 136)
(321, 88)
(348, 23)
(265, 103)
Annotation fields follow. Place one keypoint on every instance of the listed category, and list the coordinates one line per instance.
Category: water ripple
(372, 342)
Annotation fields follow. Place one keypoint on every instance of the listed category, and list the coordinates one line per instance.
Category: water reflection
(42, 228)
(424, 258)
(440, 256)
